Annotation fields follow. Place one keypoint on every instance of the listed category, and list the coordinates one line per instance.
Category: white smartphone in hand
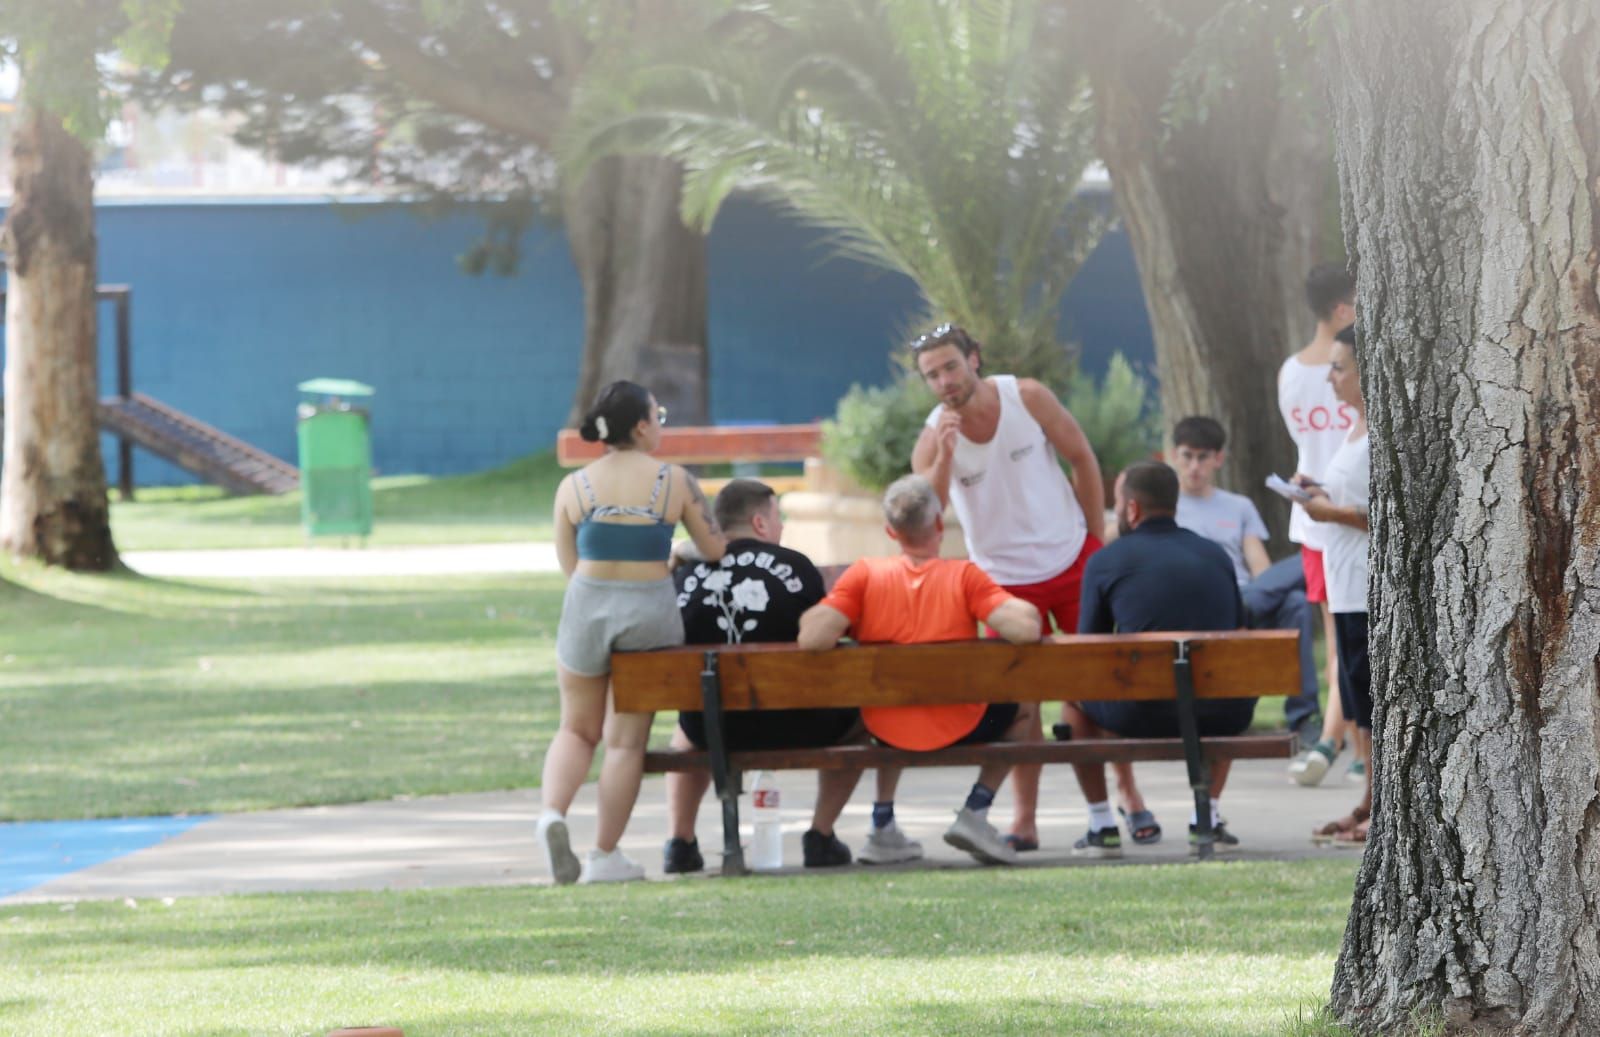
(1284, 488)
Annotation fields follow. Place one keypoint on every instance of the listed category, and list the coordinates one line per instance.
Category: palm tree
(943, 139)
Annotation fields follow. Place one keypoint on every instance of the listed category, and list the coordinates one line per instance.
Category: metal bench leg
(726, 777)
(1199, 773)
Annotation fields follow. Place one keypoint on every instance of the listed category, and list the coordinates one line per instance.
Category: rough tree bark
(1469, 141)
(1224, 216)
(644, 286)
(53, 503)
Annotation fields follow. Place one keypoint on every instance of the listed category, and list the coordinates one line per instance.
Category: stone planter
(834, 522)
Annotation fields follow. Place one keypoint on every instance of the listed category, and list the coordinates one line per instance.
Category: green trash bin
(335, 458)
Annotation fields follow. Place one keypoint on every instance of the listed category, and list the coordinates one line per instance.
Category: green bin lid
(336, 387)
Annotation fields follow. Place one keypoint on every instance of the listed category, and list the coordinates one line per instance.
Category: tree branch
(534, 115)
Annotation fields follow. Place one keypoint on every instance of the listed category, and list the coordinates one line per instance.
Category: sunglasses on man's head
(943, 335)
(661, 414)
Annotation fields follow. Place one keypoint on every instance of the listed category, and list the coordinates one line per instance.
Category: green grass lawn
(506, 504)
(1227, 949)
(121, 695)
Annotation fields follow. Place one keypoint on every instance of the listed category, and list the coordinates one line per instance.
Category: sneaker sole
(564, 864)
(1099, 852)
(966, 845)
(893, 858)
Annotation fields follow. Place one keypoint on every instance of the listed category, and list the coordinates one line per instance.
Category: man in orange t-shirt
(918, 598)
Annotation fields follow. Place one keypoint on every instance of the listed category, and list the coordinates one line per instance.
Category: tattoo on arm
(697, 496)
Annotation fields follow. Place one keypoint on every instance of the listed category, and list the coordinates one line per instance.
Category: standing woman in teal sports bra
(614, 522)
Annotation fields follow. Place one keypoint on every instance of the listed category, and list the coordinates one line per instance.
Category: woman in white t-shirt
(1341, 501)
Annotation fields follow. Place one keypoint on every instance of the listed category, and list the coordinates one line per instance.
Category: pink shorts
(1316, 581)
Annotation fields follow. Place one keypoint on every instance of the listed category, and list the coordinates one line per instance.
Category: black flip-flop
(1142, 826)
(1021, 844)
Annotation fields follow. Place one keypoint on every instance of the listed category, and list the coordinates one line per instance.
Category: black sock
(883, 814)
(980, 799)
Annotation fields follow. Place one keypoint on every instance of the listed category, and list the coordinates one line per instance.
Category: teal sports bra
(600, 541)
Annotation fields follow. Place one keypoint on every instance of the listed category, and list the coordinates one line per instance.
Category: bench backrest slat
(709, 445)
(1090, 667)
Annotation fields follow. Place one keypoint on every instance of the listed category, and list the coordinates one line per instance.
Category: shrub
(874, 430)
(1114, 417)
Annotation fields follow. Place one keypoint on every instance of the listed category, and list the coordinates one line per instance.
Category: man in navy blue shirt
(1155, 576)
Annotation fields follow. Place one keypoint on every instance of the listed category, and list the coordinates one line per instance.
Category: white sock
(549, 815)
(1100, 816)
(1216, 815)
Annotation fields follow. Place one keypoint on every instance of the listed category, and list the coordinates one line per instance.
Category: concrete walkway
(487, 839)
(307, 562)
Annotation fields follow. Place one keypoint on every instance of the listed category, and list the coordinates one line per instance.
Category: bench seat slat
(1089, 667)
(846, 757)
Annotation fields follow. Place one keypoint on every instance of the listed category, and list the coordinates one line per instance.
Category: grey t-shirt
(1225, 519)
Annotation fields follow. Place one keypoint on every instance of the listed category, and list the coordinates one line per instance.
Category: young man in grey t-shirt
(1274, 593)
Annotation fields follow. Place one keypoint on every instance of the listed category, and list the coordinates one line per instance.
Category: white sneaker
(557, 845)
(978, 837)
(1310, 766)
(609, 867)
(889, 845)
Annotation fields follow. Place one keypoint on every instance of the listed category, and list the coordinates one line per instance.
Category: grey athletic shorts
(599, 617)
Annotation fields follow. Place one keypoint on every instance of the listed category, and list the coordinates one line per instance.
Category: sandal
(1322, 835)
(1353, 838)
(1142, 826)
(1021, 843)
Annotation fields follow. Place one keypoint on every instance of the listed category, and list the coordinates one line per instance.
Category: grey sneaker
(609, 867)
(1311, 766)
(1357, 774)
(556, 842)
(979, 838)
(889, 846)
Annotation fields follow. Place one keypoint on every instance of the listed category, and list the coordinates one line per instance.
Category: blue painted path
(34, 852)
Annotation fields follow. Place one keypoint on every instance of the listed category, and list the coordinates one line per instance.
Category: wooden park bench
(1089, 667)
(730, 444)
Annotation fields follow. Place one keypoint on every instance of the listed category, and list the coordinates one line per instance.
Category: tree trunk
(1223, 211)
(644, 286)
(1469, 142)
(53, 487)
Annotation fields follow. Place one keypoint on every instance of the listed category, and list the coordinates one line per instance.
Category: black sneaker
(1099, 842)
(1222, 840)
(682, 856)
(823, 851)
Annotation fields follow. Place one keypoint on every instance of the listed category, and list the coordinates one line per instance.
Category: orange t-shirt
(897, 601)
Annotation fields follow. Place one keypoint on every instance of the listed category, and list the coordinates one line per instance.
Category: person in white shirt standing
(1341, 503)
(1318, 422)
(993, 448)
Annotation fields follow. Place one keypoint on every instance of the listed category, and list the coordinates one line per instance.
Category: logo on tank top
(969, 481)
(1021, 452)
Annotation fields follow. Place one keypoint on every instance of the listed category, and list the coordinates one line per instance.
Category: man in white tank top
(1318, 423)
(991, 449)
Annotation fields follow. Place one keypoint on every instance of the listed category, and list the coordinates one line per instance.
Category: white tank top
(1021, 520)
(1318, 423)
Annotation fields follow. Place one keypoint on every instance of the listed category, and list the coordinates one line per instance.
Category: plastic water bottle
(766, 841)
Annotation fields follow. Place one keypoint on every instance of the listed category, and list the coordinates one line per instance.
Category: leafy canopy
(64, 51)
(944, 139)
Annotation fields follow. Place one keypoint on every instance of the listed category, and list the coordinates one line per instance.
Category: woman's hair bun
(618, 409)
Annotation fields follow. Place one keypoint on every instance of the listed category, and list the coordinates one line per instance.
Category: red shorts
(1059, 596)
(1316, 580)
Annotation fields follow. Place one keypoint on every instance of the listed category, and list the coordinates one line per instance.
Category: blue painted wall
(234, 303)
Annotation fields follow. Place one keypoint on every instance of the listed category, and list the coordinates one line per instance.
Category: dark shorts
(776, 729)
(1355, 668)
(996, 720)
(1159, 719)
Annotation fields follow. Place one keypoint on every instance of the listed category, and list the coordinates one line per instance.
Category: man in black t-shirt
(754, 593)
